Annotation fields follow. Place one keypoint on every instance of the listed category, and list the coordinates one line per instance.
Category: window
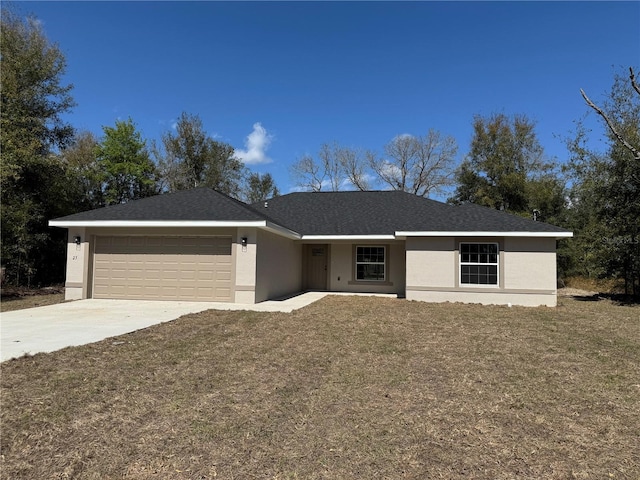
(479, 263)
(370, 264)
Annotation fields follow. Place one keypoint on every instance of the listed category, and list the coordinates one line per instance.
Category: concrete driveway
(53, 327)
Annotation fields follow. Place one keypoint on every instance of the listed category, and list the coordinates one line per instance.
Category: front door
(316, 262)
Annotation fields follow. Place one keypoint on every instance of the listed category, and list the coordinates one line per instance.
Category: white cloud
(256, 146)
(402, 136)
(390, 170)
(367, 178)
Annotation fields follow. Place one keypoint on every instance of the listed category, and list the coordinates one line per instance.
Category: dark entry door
(316, 267)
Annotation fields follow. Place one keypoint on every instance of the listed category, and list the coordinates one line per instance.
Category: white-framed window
(479, 264)
(370, 263)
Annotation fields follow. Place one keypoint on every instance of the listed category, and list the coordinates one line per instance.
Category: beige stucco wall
(246, 265)
(342, 269)
(77, 265)
(279, 252)
(527, 272)
(162, 231)
(428, 270)
(79, 260)
(278, 266)
(486, 297)
(431, 262)
(530, 263)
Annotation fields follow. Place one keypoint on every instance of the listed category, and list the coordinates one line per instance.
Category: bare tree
(337, 168)
(351, 165)
(418, 165)
(609, 122)
(308, 174)
(331, 167)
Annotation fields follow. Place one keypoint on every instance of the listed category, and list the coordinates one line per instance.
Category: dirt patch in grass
(613, 286)
(349, 387)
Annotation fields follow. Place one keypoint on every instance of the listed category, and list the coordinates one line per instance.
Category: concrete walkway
(53, 327)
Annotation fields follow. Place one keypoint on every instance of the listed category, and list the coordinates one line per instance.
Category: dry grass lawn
(347, 388)
(20, 303)
(12, 298)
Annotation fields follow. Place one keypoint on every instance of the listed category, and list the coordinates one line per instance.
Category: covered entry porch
(358, 267)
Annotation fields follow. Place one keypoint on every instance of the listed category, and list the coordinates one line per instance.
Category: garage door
(163, 268)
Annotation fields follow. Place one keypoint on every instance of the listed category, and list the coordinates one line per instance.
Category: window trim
(383, 263)
(461, 263)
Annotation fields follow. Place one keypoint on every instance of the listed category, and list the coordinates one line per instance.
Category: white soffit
(155, 223)
(278, 230)
(348, 237)
(263, 224)
(487, 234)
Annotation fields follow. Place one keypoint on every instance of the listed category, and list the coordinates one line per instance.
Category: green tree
(34, 183)
(128, 173)
(606, 193)
(32, 97)
(33, 253)
(585, 251)
(224, 171)
(81, 161)
(193, 159)
(260, 187)
(505, 169)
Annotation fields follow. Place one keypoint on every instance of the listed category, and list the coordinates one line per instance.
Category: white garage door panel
(167, 268)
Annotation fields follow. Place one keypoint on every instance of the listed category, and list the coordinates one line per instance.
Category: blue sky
(276, 80)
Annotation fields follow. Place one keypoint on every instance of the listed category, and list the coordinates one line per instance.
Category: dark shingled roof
(386, 212)
(185, 205)
(321, 213)
(478, 218)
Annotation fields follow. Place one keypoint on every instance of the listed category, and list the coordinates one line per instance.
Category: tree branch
(633, 81)
(628, 146)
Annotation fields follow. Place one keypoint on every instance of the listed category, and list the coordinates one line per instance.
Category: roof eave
(557, 235)
(262, 224)
(157, 223)
(348, 237)
(280, 230)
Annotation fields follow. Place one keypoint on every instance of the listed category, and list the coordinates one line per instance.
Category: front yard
(350, 387)
(12, 298)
